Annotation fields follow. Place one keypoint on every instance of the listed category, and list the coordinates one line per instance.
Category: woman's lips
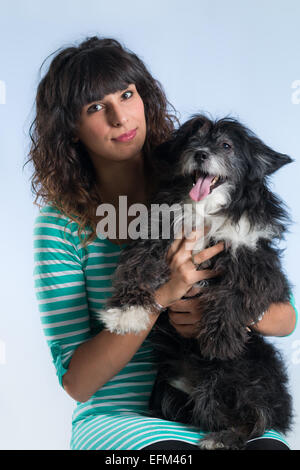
(126, 137)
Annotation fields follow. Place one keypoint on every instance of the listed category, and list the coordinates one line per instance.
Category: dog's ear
(265, 160)
(188, 129)
(170, 150)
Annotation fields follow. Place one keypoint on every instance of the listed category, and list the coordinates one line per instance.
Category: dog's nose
(201, 155)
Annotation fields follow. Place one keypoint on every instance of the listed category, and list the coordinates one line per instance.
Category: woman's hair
(63, 172)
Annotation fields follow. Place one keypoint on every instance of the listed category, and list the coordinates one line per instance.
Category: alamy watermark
(295, 98)
(159, 222)
(2, 352)
(2, 92)
(296, 352)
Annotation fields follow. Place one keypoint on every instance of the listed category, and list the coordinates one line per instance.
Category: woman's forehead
(99, 88)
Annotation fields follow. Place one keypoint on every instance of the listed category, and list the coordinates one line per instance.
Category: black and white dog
(227, 380)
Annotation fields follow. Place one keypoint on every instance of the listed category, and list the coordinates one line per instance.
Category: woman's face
(103, 123)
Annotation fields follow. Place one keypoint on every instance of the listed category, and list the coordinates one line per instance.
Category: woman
(99, 114)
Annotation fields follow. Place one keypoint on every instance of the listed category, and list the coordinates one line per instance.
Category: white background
(235, 57)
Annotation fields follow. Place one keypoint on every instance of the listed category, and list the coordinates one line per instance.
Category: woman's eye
(94, 107)
(226, 146)
(130, 93)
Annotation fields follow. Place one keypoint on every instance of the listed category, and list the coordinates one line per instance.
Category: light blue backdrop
(234, 57)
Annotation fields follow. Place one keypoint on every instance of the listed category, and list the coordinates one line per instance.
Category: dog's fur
(227, 380)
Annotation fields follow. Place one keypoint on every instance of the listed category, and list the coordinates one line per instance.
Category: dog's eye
(226, 146)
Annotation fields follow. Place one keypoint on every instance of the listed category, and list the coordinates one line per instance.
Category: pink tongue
(201, 188)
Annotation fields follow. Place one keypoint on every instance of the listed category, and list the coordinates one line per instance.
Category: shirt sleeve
(60, 288)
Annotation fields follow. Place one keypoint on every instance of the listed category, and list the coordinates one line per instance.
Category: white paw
(210, 444)
(132, 319)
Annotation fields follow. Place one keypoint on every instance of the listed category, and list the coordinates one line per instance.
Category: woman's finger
(208, 253)
(181, 318)
(185, 243)
(178, 242)
(194, 290)
(186, 246)
(188, 331)
(175, 246)
(196, 276)
(182, 306)
(173, 249)
(208, 273)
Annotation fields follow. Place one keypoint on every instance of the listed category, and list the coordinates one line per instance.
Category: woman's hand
(183, 271)
(184, 315)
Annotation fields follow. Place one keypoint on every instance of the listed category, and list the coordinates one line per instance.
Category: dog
(227, 380)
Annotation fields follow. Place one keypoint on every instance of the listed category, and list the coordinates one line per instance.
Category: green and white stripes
(72, 284)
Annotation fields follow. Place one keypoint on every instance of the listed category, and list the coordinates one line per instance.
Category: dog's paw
(210, 443)
(222, 440)
(132, 319)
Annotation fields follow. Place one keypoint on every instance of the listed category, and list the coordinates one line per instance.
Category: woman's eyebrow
(105, 96)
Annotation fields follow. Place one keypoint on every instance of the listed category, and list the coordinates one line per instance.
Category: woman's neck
(134, 179)
(127, 178)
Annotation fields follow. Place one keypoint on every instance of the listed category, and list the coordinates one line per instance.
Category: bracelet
(258, 320)
(160, 307)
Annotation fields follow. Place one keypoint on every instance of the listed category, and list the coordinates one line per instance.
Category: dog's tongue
(201, 188)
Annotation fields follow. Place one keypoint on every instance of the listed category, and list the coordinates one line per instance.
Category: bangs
(96, 74)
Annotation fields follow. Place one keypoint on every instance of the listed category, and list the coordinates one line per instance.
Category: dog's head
(216, 156)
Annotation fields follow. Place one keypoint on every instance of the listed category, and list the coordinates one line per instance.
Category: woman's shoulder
(50, 221)
(50, 214)
(53, 226)
(50, 211)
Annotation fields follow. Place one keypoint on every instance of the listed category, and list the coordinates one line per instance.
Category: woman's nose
(117, 116)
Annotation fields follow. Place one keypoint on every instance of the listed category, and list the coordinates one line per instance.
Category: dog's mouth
(204, 184)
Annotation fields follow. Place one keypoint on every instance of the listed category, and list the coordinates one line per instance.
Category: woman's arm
(83, 362)
(99, 359)
(278, 320)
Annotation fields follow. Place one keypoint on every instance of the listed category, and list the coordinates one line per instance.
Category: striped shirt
(72, 283)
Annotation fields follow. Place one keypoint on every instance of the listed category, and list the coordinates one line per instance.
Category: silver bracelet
(258, 320)
(160, 307)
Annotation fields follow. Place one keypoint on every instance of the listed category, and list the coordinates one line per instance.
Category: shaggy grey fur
(227, 380)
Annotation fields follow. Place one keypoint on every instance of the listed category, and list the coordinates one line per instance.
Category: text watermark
(2, 352)
(295, 98)
(160, 222)
(2, 92)
(296, 352)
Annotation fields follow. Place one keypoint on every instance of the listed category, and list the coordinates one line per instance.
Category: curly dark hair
(63, 173)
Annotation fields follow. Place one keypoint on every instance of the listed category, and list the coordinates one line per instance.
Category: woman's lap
(263, 443)
(133, 431)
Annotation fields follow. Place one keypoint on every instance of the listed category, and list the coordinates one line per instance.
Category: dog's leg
(236, 437)
(131, 319)
(141, 270)
(229, 439)
(251, 282)
(168, 402)
(221, 334)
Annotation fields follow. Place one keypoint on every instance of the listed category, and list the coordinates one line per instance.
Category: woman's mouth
(126, 137)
